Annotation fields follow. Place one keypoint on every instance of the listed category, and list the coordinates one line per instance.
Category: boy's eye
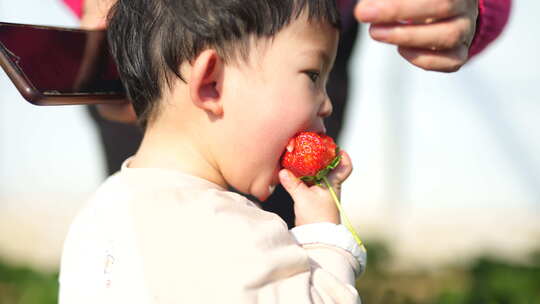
(313, 75)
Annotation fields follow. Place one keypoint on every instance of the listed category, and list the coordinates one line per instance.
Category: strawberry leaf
(318, 178)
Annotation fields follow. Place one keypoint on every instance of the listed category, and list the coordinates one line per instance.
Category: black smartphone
(59, 66)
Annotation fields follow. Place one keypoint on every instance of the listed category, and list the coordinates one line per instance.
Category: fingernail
(284, 175)
(369, 13)
(380, 32)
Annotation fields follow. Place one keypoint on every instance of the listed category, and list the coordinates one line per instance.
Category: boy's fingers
(291, 183)
(390, 11)
(342, 171)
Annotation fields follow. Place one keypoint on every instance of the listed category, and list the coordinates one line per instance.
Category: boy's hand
(314, 204)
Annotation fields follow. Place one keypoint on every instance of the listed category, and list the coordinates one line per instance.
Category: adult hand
(431, 34)
(95, 13)
(95, 17)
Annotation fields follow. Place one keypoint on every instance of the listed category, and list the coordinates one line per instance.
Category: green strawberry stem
(347, 222)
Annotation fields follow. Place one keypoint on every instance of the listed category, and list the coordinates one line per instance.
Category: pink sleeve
(75, 6)
(492, 18)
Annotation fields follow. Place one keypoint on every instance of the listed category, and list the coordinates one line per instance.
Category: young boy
(220, 87)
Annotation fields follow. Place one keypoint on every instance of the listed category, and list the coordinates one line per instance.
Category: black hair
(150, 39)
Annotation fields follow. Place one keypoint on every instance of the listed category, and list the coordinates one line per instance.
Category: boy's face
(281, 91)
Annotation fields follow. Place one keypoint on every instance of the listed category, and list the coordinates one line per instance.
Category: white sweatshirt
(161, 236)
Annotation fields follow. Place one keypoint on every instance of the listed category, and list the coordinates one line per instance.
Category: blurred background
(446, 187)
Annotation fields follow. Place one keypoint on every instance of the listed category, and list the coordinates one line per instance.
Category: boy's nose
(326, 107)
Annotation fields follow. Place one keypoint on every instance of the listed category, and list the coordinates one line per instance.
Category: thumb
(291, 183)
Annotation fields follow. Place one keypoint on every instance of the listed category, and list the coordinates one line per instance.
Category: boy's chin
(264, 194)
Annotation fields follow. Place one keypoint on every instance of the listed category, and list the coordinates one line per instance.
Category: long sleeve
(75, 6)
(319, 239)
(492, 18)
(334, 236)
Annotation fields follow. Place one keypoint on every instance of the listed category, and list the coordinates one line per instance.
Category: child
(219, 87)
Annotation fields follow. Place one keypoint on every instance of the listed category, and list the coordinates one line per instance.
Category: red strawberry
(310, 156)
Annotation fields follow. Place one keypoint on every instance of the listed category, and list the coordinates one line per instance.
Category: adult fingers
(441, 61)
(390, 11)
(442, 35)
(95, 13)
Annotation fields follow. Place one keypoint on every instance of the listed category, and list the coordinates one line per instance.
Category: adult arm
(493, 17)
(438, 35)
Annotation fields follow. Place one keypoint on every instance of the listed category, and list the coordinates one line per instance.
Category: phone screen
(62, 61)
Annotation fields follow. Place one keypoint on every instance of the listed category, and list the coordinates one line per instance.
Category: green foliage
(22, 285)
(485, 281)
(378, 257)
(495, 281)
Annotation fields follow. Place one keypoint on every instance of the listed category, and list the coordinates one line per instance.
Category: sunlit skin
(240, 124)
(242, 116)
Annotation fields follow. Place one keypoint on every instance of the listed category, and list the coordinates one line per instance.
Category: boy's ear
(206, 80)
